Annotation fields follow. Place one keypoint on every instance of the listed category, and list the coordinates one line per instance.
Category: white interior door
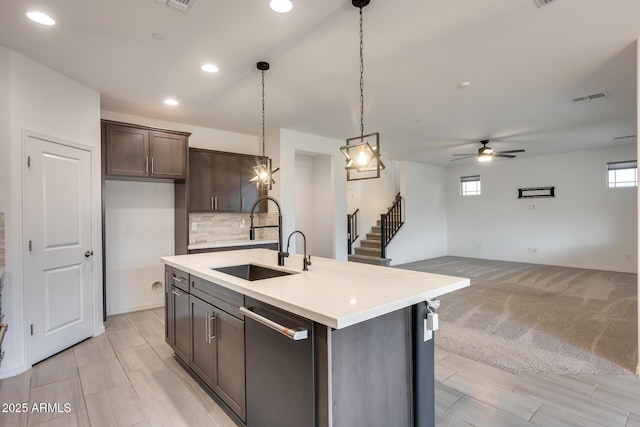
(58, 246)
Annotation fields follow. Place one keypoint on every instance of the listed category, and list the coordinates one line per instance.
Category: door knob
(88, 254)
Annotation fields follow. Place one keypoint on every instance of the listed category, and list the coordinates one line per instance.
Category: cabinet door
(229, 374)
(200, 181)
(168, 155)
(168, 307)
(202, 356)
(226, 182)
(127, 151)
(181, 323)
(249, 190)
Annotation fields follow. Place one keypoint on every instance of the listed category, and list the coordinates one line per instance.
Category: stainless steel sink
(252, 272)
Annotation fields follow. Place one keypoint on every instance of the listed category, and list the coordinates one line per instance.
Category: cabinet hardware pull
(177, 293)
(242, 203)
(211, 202)
(215, 203)
(213, 328)
(295, 334)
(206, 328)
(146, 165)
(178, 279)
(152, 165)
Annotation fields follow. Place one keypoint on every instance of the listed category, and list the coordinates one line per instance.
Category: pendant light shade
(264, 173)
(362, 152)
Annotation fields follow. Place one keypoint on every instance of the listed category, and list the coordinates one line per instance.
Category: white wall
(424, 233)
(314, 204)
(292, 142)
(139, 230)
(586, 225)
(133, 258)
(42, 101)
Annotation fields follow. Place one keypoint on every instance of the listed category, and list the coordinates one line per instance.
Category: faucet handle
(308, 261)
(285, 254)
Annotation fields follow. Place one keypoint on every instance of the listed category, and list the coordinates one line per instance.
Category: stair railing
(390, 223)
(352, 230)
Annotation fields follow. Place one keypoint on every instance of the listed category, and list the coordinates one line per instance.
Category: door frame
(96, 228)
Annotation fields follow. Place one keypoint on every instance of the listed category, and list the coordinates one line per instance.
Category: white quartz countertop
(334, 293)
(229, 243)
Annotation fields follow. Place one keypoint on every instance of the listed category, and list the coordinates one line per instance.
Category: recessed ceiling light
(210, 68)
(281, 6)
(464, 84)
(170, 101)
(40, 18)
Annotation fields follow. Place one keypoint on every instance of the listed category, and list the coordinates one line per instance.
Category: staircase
(369, 250)
(373, 249)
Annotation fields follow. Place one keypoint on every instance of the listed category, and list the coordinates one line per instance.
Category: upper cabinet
(142, 152)
(219, 182)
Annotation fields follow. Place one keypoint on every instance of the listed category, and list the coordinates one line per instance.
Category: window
(470, 185)
(622, 174)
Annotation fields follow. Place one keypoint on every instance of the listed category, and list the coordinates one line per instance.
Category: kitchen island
(350, 349)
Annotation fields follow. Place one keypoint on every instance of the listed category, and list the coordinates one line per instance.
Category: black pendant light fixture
(264, 174)
(362, 152)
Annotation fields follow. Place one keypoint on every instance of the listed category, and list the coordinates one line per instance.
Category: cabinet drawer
(180, 279)
(226, 299)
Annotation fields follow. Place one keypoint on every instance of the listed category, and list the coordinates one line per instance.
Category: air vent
(181, 5)
(541, 3)
(593, 97)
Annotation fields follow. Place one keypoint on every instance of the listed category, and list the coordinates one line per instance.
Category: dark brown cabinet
(218, 353)
(203, 333)
(140, 152)
(219, 182)
(249, 190)
(177, 312)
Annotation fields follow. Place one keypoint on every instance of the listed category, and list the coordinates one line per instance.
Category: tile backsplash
(214, 227)
(1, 239)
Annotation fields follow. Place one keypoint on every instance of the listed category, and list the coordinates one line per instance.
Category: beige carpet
(529, 318)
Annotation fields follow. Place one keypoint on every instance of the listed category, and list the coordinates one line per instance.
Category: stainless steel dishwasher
(279, 367)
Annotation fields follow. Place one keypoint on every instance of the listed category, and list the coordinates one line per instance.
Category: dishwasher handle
(295, 334)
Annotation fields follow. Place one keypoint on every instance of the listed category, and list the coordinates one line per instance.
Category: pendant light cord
(361, 78)
(263, 138)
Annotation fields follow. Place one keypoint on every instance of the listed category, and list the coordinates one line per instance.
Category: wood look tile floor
(129, 377)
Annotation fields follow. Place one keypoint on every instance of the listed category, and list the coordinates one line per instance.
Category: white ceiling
(525, 64)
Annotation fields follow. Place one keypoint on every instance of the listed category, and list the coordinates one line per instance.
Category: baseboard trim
(136, 308)
(17, 370)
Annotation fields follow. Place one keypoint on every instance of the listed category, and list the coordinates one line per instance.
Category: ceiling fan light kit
(362, 153)
(485, 153)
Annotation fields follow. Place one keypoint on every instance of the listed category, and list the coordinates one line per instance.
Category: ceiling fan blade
(508, 156)
(509, 151)
(467, 157)
(468, 154)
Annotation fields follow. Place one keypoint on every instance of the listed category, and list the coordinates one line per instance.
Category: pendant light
(362, 152)
(264, 174)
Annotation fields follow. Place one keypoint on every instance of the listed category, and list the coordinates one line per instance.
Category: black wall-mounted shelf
(536, 192)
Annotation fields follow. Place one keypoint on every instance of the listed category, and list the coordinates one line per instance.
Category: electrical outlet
(127, 228)
(194, 226)
(532, 250)
(242, 223)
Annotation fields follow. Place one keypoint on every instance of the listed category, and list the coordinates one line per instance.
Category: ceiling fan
(486, 153)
